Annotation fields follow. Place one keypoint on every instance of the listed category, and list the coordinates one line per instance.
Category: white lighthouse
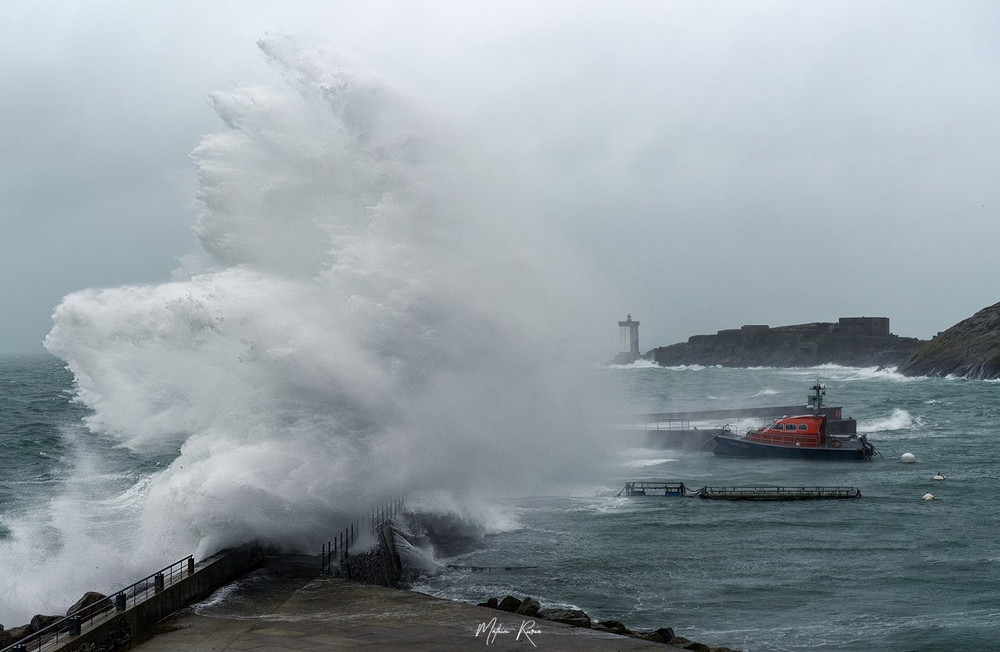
(630, 341)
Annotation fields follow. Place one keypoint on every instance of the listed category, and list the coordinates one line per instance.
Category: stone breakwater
(530, 608)
(41, 621)
(103, 625)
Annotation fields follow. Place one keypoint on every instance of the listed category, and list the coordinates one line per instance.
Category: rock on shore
(529, 606)
(970, 348)
(41, 621)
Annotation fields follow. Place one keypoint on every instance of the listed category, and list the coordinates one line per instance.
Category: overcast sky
(722, 163)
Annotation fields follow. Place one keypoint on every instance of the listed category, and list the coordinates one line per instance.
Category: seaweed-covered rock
(662, 635)
(614, 627)
(573, 617)
(698, 647)
(89, 598)
(41, 621)
(509, 603)
(529, 607)
(15, 634)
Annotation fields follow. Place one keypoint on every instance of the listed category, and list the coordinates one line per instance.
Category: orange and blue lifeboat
(799, 437)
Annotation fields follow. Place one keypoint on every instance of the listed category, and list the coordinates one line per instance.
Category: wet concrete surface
(286, 606)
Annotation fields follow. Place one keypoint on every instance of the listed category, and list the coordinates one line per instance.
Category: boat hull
(734, 447)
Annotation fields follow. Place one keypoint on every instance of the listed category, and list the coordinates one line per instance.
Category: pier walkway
(285, 606)
(668, 489)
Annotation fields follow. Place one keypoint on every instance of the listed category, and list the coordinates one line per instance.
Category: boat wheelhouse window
(777, 426)
(803, 426)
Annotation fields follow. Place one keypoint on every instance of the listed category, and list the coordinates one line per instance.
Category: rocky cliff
(970, 348)
(858, 342)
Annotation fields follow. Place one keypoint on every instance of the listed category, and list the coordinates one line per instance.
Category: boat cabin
(807, 430)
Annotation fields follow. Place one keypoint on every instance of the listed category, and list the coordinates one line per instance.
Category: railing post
(158, 582)
(190, 565)
(120, 602)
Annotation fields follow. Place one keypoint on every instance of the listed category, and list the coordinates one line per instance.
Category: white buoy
(928, 496)
(939, 477)
(907, 458)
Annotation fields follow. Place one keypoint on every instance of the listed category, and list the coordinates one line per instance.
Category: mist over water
(363, 321)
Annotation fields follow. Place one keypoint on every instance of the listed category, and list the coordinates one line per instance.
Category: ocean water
(377, 309)
(363, 317)
(69, 497)
(889, 571)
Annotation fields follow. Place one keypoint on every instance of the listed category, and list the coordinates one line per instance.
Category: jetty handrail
(72, 624)
(654, 422)
(771, 489)
(773, 493)
(640, 487)
(339, 546)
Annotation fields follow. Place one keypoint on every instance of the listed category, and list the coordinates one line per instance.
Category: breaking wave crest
(352, 329)
(899, 420)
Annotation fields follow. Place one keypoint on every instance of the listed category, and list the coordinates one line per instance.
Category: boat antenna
(816, 398)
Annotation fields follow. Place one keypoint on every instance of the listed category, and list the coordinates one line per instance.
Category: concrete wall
(873, 326)
(381, 565)
(133, 625)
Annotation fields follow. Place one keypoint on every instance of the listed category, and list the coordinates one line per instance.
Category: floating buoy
(939, 477)
(907, 458)
(928, 496)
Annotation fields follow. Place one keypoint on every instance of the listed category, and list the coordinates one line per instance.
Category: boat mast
(816, 398)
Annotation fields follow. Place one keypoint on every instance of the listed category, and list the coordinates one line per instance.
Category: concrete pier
(286, 606)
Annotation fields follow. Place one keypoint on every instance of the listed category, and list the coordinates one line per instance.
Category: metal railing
(335, 550)
(87, 617)
(778, 493)
(653, 488)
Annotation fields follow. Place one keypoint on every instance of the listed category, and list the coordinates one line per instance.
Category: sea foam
(351, 330)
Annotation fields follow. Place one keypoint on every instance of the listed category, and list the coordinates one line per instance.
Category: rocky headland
(970, 348)
(852, 341)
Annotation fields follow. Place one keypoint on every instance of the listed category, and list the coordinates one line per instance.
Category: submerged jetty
(671, 489)
(778, 493)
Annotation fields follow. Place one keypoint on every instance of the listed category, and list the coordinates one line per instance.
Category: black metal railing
(777, 493)
(335, 550)
(105, 608)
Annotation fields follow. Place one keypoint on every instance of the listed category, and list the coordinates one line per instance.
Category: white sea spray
(358, 324)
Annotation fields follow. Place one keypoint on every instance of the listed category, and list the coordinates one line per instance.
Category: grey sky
(720, 163)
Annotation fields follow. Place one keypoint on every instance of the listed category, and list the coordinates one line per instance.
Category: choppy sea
(888, 571)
